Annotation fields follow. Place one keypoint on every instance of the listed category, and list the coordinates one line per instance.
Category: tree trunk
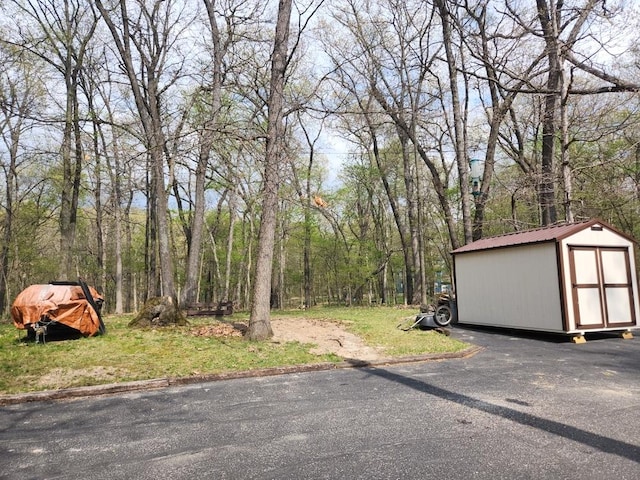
(226, 293)
(162, 204)
(189, 292)
(567, 179)
(307, 205)
(159, 312)
(397, 216)
(119, 307)
(282, 265)
(243, 291)
(413, 269)
(67, 215)
(114, 170)
(130, 283)
(259, 322)
(10, 196)
(307, 251)
(147, 97)
(151, 258)
(550, 22)
(101, 254)
(458, 123)
(438, 185)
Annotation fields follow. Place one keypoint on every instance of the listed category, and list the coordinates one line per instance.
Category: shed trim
(560, 261)
(554, 233)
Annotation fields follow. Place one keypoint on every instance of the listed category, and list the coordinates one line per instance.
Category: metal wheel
(443, 315)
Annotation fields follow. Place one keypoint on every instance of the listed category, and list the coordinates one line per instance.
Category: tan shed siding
(511, 287)
(591, 238)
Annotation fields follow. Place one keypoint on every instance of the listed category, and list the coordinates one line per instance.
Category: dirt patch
(326, 336)
(329, 337)
(220, 330)
(64, 377)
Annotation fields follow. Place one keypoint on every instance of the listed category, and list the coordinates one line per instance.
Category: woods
(298, 153)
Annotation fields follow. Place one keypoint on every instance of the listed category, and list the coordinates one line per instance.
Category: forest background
(140, 139)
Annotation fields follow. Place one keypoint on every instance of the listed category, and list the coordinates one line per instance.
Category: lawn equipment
(435, 315)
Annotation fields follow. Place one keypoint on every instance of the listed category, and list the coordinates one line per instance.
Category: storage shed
(572, 278)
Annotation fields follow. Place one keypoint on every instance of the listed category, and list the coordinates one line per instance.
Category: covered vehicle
(57, 307)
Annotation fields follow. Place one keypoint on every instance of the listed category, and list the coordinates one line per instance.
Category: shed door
(602, 289)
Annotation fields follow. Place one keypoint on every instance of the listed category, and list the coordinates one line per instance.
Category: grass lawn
(126, 354)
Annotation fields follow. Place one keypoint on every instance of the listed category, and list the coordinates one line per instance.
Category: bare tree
(389, 78)
(550, 17)
(459, 124)
(562, 27)
(211, 95)
(59, 33)
(259, 323)
(19, 92)
(490, 42)
(308, 198)
(147, 35)
(111, 148)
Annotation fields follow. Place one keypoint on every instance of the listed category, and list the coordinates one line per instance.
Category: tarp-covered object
(63, 303)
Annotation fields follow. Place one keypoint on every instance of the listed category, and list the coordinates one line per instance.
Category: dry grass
(206, 346)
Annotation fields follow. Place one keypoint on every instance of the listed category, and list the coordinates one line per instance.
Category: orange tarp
(65, 304)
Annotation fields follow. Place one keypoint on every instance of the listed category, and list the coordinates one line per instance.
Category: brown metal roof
(538, 235)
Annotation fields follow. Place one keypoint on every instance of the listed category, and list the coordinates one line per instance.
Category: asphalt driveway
(526, 406)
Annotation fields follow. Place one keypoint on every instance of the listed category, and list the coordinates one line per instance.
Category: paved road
(526, 407)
